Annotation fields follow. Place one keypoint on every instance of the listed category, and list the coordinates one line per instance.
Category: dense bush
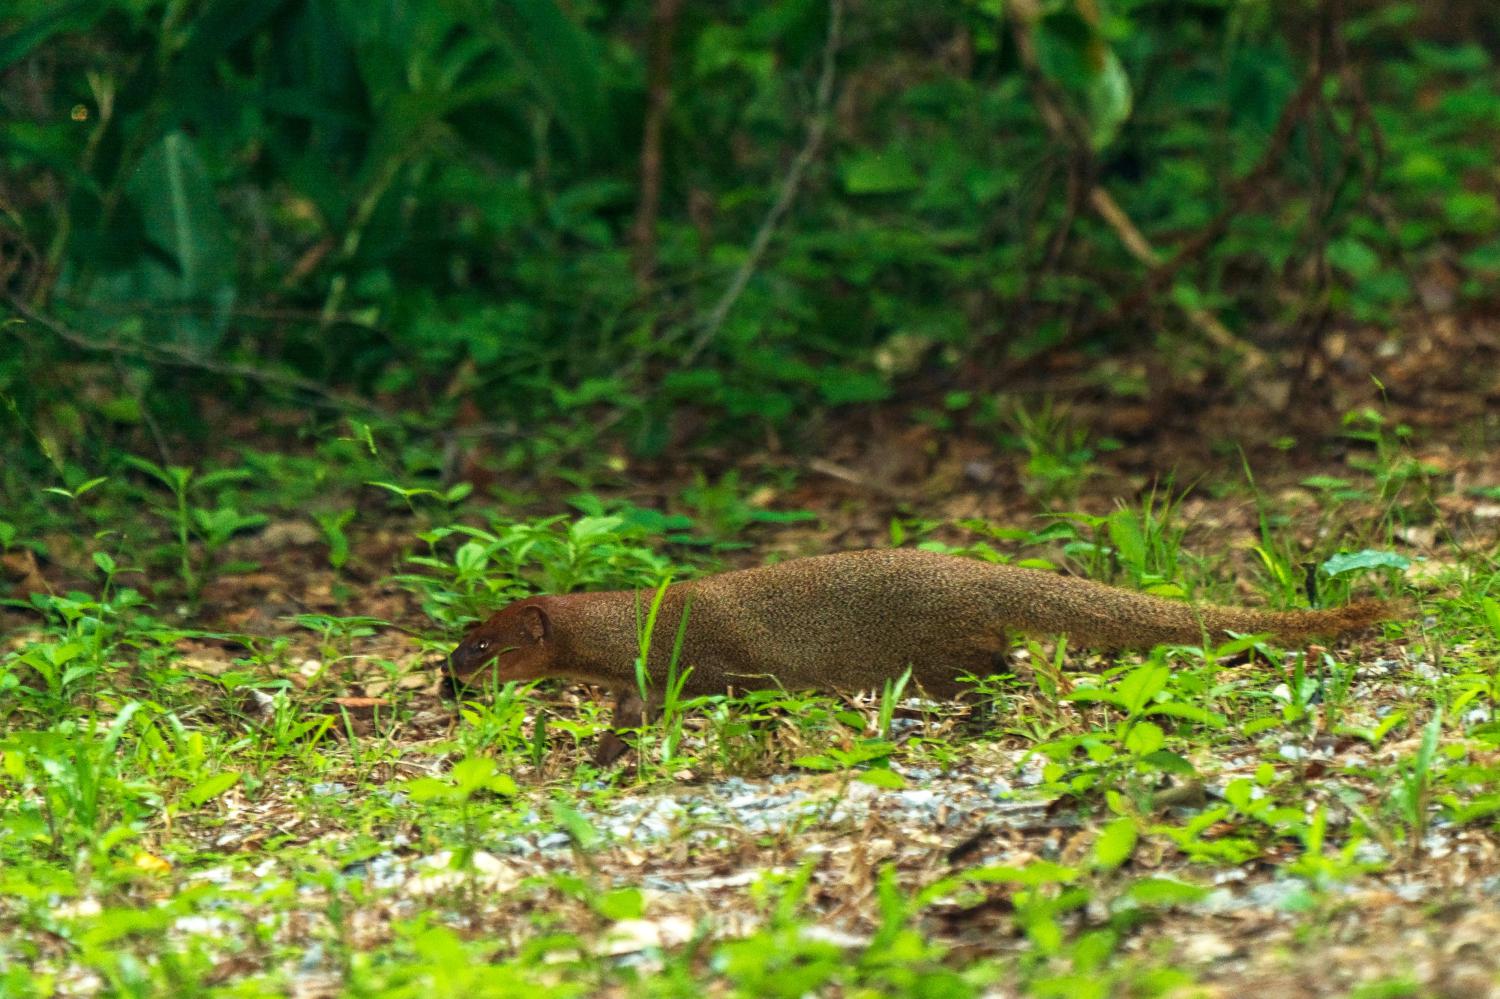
(436, 202)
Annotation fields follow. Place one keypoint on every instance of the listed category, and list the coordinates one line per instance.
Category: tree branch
(180, 357)
(817, 129)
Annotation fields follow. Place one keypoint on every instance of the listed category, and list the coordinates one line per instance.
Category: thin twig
(1066, 129)
(152, 427)
(658, 100)
(1242, 194)
(181, 357)
(817, 129)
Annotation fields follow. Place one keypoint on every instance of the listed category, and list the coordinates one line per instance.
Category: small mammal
(848, 622)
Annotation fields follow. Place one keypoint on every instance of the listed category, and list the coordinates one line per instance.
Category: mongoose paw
(609, 748)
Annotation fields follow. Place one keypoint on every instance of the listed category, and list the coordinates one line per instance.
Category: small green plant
(332, 525)
(1059, 457)
(468, 578)
(1143, 543)
(1403, 483)
(495, 723)
(723, 511)
(73, 790)
(213, 526)
(669, 697)
(462, 787)
(336, 633)
(1133, 751)
(1411, 796)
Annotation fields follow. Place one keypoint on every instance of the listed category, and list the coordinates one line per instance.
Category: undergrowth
(178, 798)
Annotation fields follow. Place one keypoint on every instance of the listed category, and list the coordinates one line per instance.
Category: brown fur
(850, 622)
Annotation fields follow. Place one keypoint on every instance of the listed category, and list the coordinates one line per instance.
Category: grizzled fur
(850, 622)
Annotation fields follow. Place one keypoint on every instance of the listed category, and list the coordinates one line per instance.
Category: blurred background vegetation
(540, 222)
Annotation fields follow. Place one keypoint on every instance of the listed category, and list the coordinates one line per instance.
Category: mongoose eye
(482, 645)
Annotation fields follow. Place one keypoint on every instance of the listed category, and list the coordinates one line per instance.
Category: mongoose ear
(536, 624)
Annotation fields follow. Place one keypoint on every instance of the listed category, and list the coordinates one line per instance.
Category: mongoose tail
(1094, 615)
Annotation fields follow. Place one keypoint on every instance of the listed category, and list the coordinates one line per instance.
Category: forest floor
(266, 790)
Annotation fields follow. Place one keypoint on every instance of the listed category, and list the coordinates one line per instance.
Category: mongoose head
(516, 642)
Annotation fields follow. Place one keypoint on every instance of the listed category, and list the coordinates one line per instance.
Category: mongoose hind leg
(982, 714)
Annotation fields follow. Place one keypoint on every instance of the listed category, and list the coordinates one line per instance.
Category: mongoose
(848, 622)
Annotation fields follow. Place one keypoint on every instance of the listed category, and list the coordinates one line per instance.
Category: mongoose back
(850, 622)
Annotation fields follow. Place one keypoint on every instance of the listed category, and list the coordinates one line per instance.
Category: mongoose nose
(452, 686)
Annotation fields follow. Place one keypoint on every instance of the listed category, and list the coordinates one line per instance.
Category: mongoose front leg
(630, 713)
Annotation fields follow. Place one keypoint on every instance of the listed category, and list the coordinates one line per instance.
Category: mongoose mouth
(452, 687)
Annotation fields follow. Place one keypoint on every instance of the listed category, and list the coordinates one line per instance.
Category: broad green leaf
(1169, 762)
(1347, 562)
(1164, 891)
(180, 217)
(1354, 257)
(1125, 535)
(1094, 695)
(427, 789)
(1144, 739)
(882, 778)
(1176, 709)
(1115, 844)
(206, 791)
(1142, 684)
(621, 903)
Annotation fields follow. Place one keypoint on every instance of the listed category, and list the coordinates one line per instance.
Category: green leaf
(872, 172)
(841, 386)
(71, 17)
(558, 59)
(1125, 535)
(1141, 685)
(1115, 844)
(1354, 257)
(1472, 212)
(1346, 562)
(1144, 739)
(208, 790)
(1484, 258)
(574, 824)
(1169, 762)
(1034, 874)
(423, 789)
(1176, 709)
(1094, 695)
(1165, 891)
(1109, 99)
(882, 778)
(180, 215)
(621, 903)
(476, 773)
(1491, 609)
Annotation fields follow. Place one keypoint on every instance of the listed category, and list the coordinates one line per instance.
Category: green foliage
(471, 577)
(120, 771)
(1059, 455)
(439, 201)
(211, 526)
